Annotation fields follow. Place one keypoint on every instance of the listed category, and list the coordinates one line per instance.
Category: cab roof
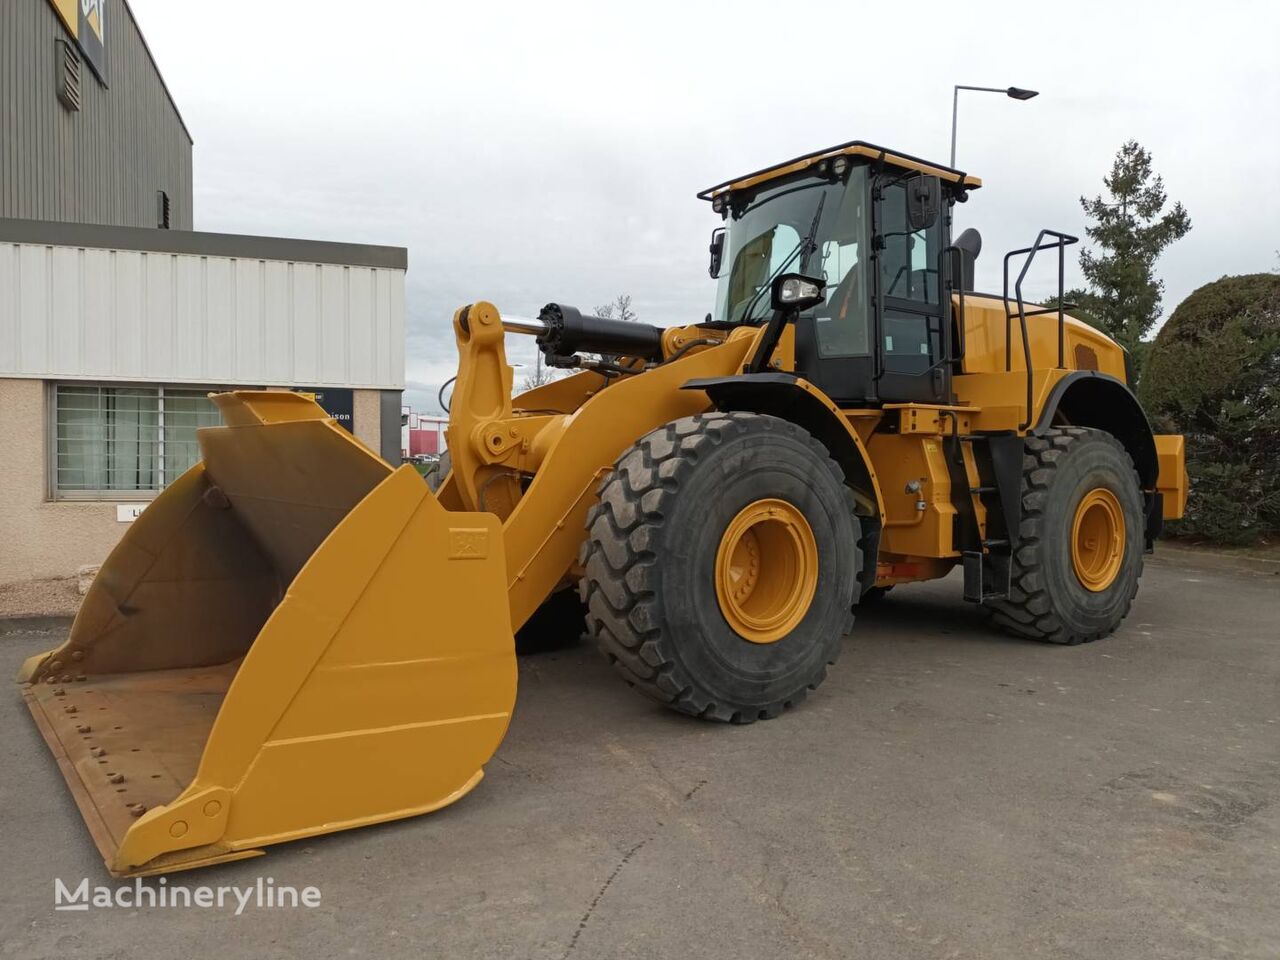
(854, 148)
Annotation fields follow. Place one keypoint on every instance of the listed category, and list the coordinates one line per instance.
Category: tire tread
(621, 567)
(1028, 610)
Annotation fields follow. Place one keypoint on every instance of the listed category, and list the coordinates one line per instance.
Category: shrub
(1213, 375)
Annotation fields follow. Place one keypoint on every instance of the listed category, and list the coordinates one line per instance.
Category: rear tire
(653, 559)
(1050, 598)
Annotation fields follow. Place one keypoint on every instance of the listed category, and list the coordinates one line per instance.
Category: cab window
(759, 258)
(841, 322)
(909, 262)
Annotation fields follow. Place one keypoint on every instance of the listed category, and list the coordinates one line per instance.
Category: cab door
(911, 312)
(834, 341)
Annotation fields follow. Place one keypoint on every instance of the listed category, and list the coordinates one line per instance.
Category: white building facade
(112, 337)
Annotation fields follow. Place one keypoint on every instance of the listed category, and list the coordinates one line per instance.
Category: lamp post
(1013, 93)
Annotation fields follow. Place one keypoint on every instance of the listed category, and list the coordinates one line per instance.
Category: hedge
(1213, 375)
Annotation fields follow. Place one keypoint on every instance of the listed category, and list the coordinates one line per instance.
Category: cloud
(526, 153)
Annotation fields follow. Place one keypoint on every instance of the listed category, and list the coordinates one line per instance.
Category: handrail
(1061, 241)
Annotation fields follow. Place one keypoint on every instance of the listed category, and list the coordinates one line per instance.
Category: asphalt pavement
(948, 792)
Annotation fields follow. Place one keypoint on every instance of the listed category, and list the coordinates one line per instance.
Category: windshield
(766, 239)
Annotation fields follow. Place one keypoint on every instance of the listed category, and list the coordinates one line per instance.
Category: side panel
(985, 344)
(116, 313)
(917, 522)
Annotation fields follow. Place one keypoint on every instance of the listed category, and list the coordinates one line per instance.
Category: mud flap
(292, 639)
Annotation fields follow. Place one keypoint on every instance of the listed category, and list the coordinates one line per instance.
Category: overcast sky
(539, 151)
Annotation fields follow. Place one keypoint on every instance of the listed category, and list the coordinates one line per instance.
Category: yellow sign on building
(86, 21)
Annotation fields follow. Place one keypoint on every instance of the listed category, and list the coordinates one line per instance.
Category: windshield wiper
(810, 238)
(804, 248)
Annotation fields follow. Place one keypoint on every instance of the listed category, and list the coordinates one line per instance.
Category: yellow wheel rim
(766, 570)
(1097, 539)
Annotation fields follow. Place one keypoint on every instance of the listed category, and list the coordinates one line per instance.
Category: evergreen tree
(1131, 228)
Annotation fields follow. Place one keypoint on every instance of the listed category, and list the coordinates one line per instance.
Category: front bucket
(291, 639)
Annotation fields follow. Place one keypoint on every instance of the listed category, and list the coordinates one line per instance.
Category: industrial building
(88, 130)
(117, 320)
(422, 435)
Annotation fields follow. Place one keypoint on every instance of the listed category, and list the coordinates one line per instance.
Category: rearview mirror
(717, 251)
(924, 198)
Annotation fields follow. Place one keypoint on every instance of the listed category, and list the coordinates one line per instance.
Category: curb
(1188, 553)
(35, 624)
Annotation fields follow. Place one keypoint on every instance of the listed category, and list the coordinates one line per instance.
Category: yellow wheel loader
(251, 665)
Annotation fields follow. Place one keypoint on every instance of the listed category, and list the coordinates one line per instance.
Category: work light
(792, 291)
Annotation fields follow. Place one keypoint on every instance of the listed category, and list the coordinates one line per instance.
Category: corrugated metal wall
(115, 315)
(104, 163)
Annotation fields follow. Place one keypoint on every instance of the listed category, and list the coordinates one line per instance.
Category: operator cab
(876, 227)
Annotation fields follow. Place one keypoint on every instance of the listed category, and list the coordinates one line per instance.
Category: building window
(114, 442)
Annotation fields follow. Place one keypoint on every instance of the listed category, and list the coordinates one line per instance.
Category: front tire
(721, 565)
(1079, 553)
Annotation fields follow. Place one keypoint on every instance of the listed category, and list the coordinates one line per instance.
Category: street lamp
(1013, 93)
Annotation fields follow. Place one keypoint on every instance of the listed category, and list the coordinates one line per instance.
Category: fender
(792, 398)
(1087, 398)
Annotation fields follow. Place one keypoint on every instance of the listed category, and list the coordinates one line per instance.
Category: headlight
(793, 291)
